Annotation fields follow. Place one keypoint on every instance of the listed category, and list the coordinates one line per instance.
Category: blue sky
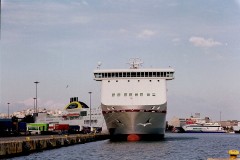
(59, 43)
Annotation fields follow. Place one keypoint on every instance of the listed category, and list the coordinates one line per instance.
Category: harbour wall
(13, 148)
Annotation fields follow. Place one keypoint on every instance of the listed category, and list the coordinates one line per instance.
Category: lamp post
(34, 106)
(36, 94)
(90, 109)
(8, 109)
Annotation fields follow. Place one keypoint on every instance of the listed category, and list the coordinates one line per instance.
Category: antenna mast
(135, 63)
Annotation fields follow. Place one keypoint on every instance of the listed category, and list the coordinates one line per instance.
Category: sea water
(175, 146)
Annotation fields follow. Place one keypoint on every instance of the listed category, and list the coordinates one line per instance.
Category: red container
(62, 127)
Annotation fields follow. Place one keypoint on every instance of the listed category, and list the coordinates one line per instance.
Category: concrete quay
(17, 146)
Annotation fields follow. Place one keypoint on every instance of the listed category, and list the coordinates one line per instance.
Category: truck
(22, 128)
(6, 127)
(61, 128)
(37, 128)
(74, 129)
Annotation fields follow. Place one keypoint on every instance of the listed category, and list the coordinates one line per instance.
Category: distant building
(177, 122)
(229, 123)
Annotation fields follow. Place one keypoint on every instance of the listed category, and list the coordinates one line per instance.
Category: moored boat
(237, 128)
(76, 113)
(134, 101)
(203, 128)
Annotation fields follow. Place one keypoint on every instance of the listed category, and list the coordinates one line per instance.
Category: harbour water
(175, 146)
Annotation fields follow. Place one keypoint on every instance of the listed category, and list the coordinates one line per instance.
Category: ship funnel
(73, 99)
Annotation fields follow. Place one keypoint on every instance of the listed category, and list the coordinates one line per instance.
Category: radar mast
(135, 63)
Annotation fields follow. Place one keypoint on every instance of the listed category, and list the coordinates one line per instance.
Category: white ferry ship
(134, 101)
(75, 113)
(203, 128)
(237, 128)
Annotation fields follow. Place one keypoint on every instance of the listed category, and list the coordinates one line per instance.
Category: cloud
(85, 3)
(175, 40)
(146, 33)
(202, 42)
(238, 2)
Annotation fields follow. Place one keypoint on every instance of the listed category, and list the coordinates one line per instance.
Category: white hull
(195, 128)
(236, 129)
(141, 120)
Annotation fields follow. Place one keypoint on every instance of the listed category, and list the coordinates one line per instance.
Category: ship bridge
(167, 74)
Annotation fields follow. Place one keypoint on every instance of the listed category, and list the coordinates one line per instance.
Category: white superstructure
(134, 100)
(76, 113)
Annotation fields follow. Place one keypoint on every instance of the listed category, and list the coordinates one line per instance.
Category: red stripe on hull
(133, 110)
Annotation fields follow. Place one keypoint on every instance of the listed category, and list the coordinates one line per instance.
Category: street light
(90, 109)
(36, 94)
(8, 109)
(34, 107)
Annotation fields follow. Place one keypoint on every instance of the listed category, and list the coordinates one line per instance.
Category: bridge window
(154, 74)
(128, 74)
(146, 74)
(124, 74)
(130, 94)
(138, 74)
(97, 75)
(153, 94)
(142, 74)
(133, 74)
(113, 94)
(120, 74)
(141, 94)
(136, 94)
(150, 74)
(125, 94)
(118, 94)
(167, 74)
(148, 94)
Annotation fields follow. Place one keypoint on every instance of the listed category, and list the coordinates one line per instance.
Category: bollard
(233, 154)
(27, 138)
